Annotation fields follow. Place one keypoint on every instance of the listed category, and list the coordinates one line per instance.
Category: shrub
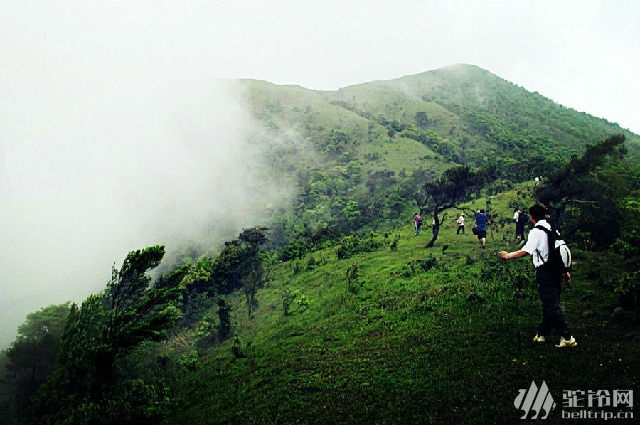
(290, 296)
(352, 245)
(353, 279)
(628, 290)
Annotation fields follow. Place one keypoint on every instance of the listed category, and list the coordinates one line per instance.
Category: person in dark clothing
(549, 283)
(521, 221)
(435, 228)
(481, 226)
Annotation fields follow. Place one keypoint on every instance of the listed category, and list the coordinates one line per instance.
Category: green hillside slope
(407, 335)
(403, 334)
(470, 108)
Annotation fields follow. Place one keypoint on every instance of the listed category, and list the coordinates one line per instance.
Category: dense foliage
(103, 329)
(587, 194)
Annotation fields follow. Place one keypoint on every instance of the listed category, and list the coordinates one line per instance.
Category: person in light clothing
(549, 284)
(460, 224)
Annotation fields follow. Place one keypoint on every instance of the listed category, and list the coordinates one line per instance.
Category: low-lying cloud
(92, 169)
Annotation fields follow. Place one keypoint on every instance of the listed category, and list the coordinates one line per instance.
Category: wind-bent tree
(239, 265)
(449, 190)
(135, 311)
(105, 327)
(252, 269)
(585, 194)
(200, 291)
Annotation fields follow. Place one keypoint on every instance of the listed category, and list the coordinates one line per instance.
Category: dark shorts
(482, 234)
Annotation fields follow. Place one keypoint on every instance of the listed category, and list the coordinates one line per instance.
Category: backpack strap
(550, 242)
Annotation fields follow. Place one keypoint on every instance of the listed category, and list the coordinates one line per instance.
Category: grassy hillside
(406, 334)
(354, 320)
(467, 102)
(467, 106)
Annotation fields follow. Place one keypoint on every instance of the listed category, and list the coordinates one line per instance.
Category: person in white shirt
(549, 284)
(520, 218)
(460, 224)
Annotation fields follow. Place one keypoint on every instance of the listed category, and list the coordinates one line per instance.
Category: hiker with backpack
(550, 273)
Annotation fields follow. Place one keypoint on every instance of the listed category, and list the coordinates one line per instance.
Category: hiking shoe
(571, 342)
(539, 338)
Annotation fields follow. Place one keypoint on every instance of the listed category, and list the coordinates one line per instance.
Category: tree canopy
(449, 190)
(585, 195)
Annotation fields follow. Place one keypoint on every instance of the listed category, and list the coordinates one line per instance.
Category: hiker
(549, 283)
(520, 219)
(460, 222)
(417, 223)
(435, 228)
(481, 226)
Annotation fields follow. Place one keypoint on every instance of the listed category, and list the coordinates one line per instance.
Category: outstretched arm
(511, 255)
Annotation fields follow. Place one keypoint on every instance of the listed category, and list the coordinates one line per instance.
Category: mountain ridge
(400, 133)
(473, 96)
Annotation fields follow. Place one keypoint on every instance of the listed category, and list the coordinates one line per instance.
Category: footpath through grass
(418, 336)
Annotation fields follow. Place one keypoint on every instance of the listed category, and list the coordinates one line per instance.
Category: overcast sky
(583, 54)
(83, 85)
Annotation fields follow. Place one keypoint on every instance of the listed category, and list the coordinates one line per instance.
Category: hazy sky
(108, 109)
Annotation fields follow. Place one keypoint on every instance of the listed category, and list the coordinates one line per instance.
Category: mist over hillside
(102, 169)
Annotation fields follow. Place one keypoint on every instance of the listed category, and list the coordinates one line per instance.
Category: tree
(135, 311)
(105, 327)
(226, 267)
(421, 120)
(336, 143)
(351, 214)
(252, 269)
(240, 265)
(586, 194)
(224, 326)
(453, 187)
(32, 355)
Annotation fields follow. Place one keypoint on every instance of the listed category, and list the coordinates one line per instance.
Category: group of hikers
(479, 229)
(541, 240)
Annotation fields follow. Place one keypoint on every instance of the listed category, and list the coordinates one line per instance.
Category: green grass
(409, 345)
